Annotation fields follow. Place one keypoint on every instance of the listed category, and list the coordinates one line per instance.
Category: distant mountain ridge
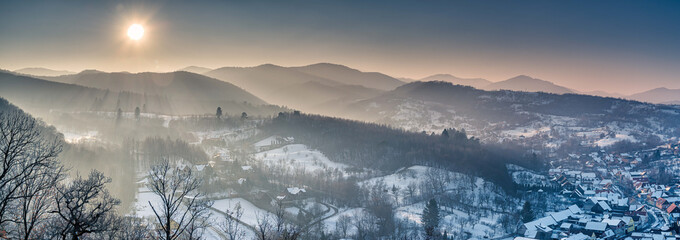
(432, 106)
(196, 69)
(39, 71)
(528, 84)
(658, 95)
(175, 84)
(350, 76)
(478, 83)
(181, 97)
(308, 88)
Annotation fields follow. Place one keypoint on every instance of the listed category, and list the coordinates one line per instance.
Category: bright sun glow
(135, 32)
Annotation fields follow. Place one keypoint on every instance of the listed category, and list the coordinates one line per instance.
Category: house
(542, 226)
(601, 207)
(672, 209)
(616, 225)
(661, 203)
(595, 228)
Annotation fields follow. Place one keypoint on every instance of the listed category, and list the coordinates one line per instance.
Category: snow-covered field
(524, 176)
(298, 156)
(479, 224)
(608, 141)
(331, 223)
(453, 220)
(250, 211)
(79, 137)
(525, 131)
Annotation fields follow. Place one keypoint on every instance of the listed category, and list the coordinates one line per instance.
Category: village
(633, 195)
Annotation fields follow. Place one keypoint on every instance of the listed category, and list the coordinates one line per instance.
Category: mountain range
(432, 106)
(166, 93)
(38, 71)
(309, 88)
(318, 88)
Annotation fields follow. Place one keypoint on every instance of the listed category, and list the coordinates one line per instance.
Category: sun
(135, 31)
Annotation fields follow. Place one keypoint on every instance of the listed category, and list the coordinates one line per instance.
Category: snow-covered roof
(246, 168)
(575, 209)
(604, 206)
(579, 236)
(612, 222)
(295, 190)
(565, 225)
(544, 221)
(596, 226)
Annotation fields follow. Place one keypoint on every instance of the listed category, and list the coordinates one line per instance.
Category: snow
(292, 210)
(332, 222)
(608, 141)
(266, 142)
(295, 190)
(298, 156)
(250, 211)
(479, 225)
(453, 219)
(80, 137)
(141, 206)
(525, 131)
(524, 176)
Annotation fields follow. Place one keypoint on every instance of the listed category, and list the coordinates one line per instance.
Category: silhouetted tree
(182, 209)
(137, 113)
(431, 219)
(244, 116)
(28, 167)
(231, 226)
(84, 206)
(119, 114)
(219, 113)
(527, 213)
(445, 134)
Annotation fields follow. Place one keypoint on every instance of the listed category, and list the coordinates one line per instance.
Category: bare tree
(200, 213)
(84, 206)
(26, 155)
(264, 226)
(32, 211)
(182, 207)
(366, 225)
(232, 227)
(132, 228)
(342, 225)
(277, 228)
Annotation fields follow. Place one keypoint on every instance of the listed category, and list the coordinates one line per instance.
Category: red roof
(671, 208)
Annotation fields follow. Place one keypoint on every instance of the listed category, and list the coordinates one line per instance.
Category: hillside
(42, 72)
(39, 95)
(48, 132)
(351, 142)
(498, 115)
(181, 85)
(349, 76)
(528, 84)
(478, 83)
(196, 69)
(291, 88)
(658, 95)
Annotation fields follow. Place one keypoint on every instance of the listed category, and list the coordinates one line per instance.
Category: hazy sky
(617, 46)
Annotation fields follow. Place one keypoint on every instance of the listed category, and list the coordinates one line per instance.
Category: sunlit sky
(615, 46)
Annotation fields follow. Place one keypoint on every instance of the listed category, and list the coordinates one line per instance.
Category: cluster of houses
(602, 211)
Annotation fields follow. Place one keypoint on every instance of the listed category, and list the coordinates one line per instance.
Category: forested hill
(421, 105)
(380, 147)
(33, 94)
(8, 109)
